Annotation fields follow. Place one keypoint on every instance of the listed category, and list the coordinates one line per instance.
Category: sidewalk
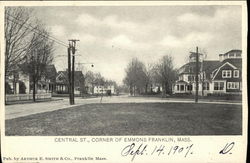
(24, 109)
(20, 110)
(31, 101)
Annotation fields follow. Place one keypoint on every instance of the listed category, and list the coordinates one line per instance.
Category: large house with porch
(223, 76)
(20, 83)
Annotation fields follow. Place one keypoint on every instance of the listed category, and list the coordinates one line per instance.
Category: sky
(110, 36)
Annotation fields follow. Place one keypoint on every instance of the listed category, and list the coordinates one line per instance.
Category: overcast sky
(111, 36)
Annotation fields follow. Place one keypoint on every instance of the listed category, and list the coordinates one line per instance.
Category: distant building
(62, 82)
(221, 76)
(106, 90)
(51, 78)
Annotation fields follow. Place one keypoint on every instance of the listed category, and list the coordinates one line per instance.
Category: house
(50, 77)
(17, 83)
(20, 82)
(221, 76)
(104, 89)
(62, 82)
(227, 77)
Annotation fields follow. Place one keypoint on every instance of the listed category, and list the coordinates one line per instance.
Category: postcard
(123, 81)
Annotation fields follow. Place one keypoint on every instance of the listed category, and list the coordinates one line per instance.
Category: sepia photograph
(123, 70)
(123, 81)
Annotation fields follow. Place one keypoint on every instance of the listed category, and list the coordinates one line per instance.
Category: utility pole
(202, 77)
(69, 74)
(196, 75)
(73, 49)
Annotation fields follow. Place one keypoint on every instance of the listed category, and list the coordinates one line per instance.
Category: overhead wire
(37, 31)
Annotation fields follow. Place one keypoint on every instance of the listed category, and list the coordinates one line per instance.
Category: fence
(26, 97)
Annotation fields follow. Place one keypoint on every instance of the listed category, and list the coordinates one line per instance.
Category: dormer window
(231, 55)
(238, 55)
(226, 74)
(236, 73)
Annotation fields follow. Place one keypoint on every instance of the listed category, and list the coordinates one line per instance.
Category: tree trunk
(34, 90)
(167, 88)
(146, 88)
(131, 89)
(163, 90)
(14, 86)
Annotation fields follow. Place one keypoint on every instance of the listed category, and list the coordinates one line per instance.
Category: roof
(78, 75)
(208, 66)
(233, 50)
(237, 62)
(51, 72)
(188, 68)
(181, 81)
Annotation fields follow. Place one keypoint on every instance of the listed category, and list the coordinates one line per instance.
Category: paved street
(20, 110)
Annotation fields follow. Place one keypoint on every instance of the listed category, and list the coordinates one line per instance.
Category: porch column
(17, 87)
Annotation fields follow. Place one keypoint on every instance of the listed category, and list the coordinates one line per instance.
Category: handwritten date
(134, 150)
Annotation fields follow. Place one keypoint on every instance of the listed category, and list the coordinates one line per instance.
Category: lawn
(132, 119)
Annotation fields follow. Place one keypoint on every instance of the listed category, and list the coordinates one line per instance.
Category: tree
(89, 80)
(38, 57)
(165, 74)
(149, 77)
(17, 37)
(136, 77)
(99, 79)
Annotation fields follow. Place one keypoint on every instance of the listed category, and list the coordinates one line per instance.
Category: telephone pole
(72, 43)
(69, 75)
(196, 75)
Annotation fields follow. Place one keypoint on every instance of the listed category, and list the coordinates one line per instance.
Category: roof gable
(218, 70)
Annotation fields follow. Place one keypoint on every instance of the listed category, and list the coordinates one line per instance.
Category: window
(178, 88)
(226, 73)
(233, 85)
(190, 78)
(182, 87)
(189, 87)
(206, 86)
(218, 85)
(236, 73)
(238, 55)
(231, 55)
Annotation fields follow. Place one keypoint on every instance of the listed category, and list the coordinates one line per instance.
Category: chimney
(221, 57)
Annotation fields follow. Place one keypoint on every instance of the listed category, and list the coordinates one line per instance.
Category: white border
(207, 146)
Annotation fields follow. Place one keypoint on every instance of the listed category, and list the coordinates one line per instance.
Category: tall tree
(149, 78)
(38, 57)
(136, 77)
(17, 36)
(165, 74)
(90, 80)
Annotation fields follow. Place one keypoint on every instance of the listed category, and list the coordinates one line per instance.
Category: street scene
(123, 70)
